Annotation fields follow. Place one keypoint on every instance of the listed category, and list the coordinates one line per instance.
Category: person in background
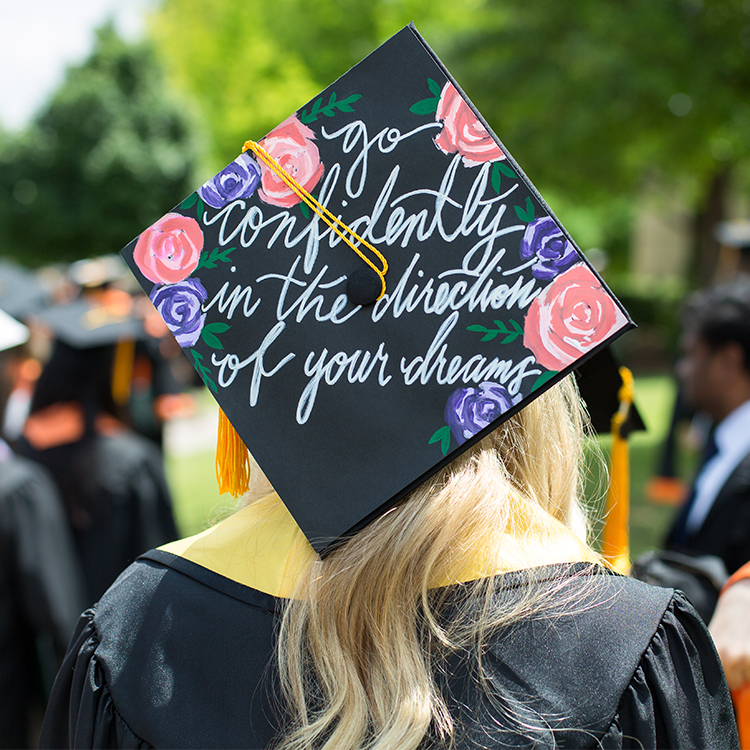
(111, 480)
(41, 588)
(714, 370)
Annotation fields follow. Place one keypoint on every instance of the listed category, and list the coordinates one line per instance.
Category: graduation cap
(372, 288)
(88, 324)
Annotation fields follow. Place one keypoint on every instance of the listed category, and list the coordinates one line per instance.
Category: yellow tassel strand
(122, 371)
(232, 460)
(321, 211)
(615, 536)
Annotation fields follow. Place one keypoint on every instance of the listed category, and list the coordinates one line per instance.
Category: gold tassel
(615, 536)
(232, 460)
(122, 371)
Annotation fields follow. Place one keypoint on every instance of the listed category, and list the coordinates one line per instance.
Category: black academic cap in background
(21, 292)
(348, 406)
(87, 323)
(599, 382)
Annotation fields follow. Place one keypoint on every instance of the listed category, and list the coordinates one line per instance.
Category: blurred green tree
(104, 158)
(249, 64)
(594, 96)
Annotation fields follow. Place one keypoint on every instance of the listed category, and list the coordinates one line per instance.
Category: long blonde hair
(357, 642)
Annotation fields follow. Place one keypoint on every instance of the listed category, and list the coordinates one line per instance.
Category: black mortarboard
(599, 382)
(87, 323)
(487, 300)
(21, 293)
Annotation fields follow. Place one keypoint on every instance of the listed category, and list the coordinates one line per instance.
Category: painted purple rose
(544, 239)
(470, 410)
(180, 306)
(237, 180)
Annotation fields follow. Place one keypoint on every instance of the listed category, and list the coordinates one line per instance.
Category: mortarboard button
(363, 286)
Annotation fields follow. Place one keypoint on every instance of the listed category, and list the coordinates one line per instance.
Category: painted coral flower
(470, 410)
(291, 146)
(237, 180)
(544, 239)
(462, 132)
(180, 307)
(169, 250)
(570, 317)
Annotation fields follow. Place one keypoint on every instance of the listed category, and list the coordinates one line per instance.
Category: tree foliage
(595, 95)
(110, 152)
(250, 64)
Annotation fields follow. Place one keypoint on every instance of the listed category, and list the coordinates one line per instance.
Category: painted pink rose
(462, 132)
(570, 317)
(291, 145)
(169, 250)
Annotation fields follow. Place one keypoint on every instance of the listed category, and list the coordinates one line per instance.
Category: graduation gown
(41, 591)
(179, 653)
(117, 500)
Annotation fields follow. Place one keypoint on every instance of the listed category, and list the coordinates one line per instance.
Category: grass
(198, 503)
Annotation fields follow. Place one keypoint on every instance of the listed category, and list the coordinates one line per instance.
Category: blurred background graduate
(41, 588)
(111, 479)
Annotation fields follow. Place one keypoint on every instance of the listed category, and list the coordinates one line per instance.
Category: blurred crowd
(89, 374)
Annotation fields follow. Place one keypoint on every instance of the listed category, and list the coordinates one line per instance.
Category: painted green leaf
(516, 326)
(510, 337)
(478, 329)
(445, 443)
(424, 107)
(444, 436)
(505, 169)
(434, 87)
(526, 214)
(495, 177)
(543, 378)
(211, 340)
(438, 434)
(305, 118)
(189, 202)
(303, 207)
(490, 335)
(217, 327)
(201, 208)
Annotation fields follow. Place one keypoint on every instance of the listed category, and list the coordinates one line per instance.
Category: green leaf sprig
(526, 214)
(428, 106)
(209, 260)
(500, 168)
(209, 337)
(511, 334)
(203, 371)
(329, 110)
(193, 200)
(443, 435)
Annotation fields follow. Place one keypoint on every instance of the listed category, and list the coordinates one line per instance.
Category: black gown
(176, 655)
(41, 591)
(117, 500)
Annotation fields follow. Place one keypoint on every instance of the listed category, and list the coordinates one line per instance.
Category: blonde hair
(358, 641)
